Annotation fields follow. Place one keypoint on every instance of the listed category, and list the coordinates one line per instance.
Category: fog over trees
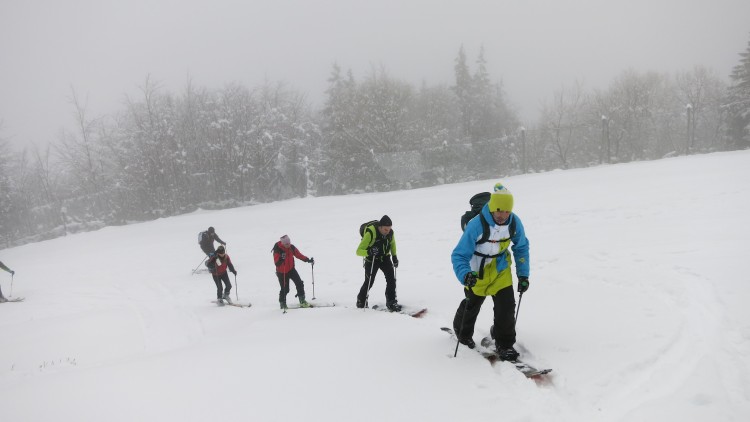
(167, 153)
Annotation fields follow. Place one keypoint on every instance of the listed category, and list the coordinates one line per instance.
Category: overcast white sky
(106, 48)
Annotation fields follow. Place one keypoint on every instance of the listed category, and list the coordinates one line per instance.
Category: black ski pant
(504, 310)
(227, 285)
(208, 249)
(284, 278)
(386, 266)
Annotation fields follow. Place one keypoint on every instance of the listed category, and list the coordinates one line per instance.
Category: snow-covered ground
(638, 300)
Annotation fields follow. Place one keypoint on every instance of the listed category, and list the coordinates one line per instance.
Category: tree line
(167, 153)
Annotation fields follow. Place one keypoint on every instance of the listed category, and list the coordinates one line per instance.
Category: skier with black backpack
(206, 241)
(482, 263)
(378, 247)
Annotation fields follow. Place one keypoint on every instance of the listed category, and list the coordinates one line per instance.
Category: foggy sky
(106, 48)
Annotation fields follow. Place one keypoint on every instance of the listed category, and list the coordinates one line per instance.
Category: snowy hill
(638, 300)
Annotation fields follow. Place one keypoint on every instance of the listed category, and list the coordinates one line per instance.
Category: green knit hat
(501, 199)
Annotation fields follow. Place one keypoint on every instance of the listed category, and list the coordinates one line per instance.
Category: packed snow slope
(638, 301)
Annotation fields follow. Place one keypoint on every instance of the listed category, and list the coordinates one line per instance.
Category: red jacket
(287, 264)
(219, 266)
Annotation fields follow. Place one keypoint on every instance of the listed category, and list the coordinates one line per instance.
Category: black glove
(470, 279)
(523, 284)
(374, 251)
(283, 255)
(234, 272)
(12, 272)
(311, 261)
(395, 261)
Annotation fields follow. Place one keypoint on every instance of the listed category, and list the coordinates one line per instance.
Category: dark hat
(211, 230)
(385, 221)
(220, 249)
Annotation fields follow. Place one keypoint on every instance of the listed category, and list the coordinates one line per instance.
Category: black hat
(220, 249)
(385, 221)
(211, 229)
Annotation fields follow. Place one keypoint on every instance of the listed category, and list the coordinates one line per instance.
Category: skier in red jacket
(283, 257)
(218, 264)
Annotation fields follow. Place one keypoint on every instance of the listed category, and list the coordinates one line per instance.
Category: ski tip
(16, 299)
(420, 313)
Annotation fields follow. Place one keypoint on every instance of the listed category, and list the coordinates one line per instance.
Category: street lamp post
(689, 112)
(524, 167)
(605, 136)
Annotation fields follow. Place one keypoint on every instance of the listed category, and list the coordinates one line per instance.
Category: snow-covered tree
(737, 102)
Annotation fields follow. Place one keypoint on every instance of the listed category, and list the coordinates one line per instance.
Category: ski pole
(283, 291)
(312, 273)
(11, 284)
(395, 279)
(520, 296)
(370, 280)
(236, 289)
(199, 265)
(461, 328)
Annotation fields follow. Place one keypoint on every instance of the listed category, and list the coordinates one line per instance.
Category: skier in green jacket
(377, 247)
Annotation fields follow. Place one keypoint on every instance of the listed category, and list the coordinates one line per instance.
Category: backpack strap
(485, 238)
(373, 235)
(485, 230)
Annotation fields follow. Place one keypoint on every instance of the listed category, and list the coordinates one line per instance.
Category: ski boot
(360, 304)
(466, 341)
(220, 302)
(227, 298)
(507, 353)
(303, 304)
(283, 305)
(393, 306)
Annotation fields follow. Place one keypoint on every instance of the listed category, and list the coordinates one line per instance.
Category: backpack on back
(363, 226)
(477, 202)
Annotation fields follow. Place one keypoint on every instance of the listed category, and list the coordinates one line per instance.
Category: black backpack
(477, 202)
(363, 226)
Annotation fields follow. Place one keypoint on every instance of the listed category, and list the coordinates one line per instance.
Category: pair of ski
(486, 349)
(225, 303)
(405, 310)
(311, 305)
(15, 299)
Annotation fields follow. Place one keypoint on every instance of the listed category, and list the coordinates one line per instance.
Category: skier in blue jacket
(482, 262)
